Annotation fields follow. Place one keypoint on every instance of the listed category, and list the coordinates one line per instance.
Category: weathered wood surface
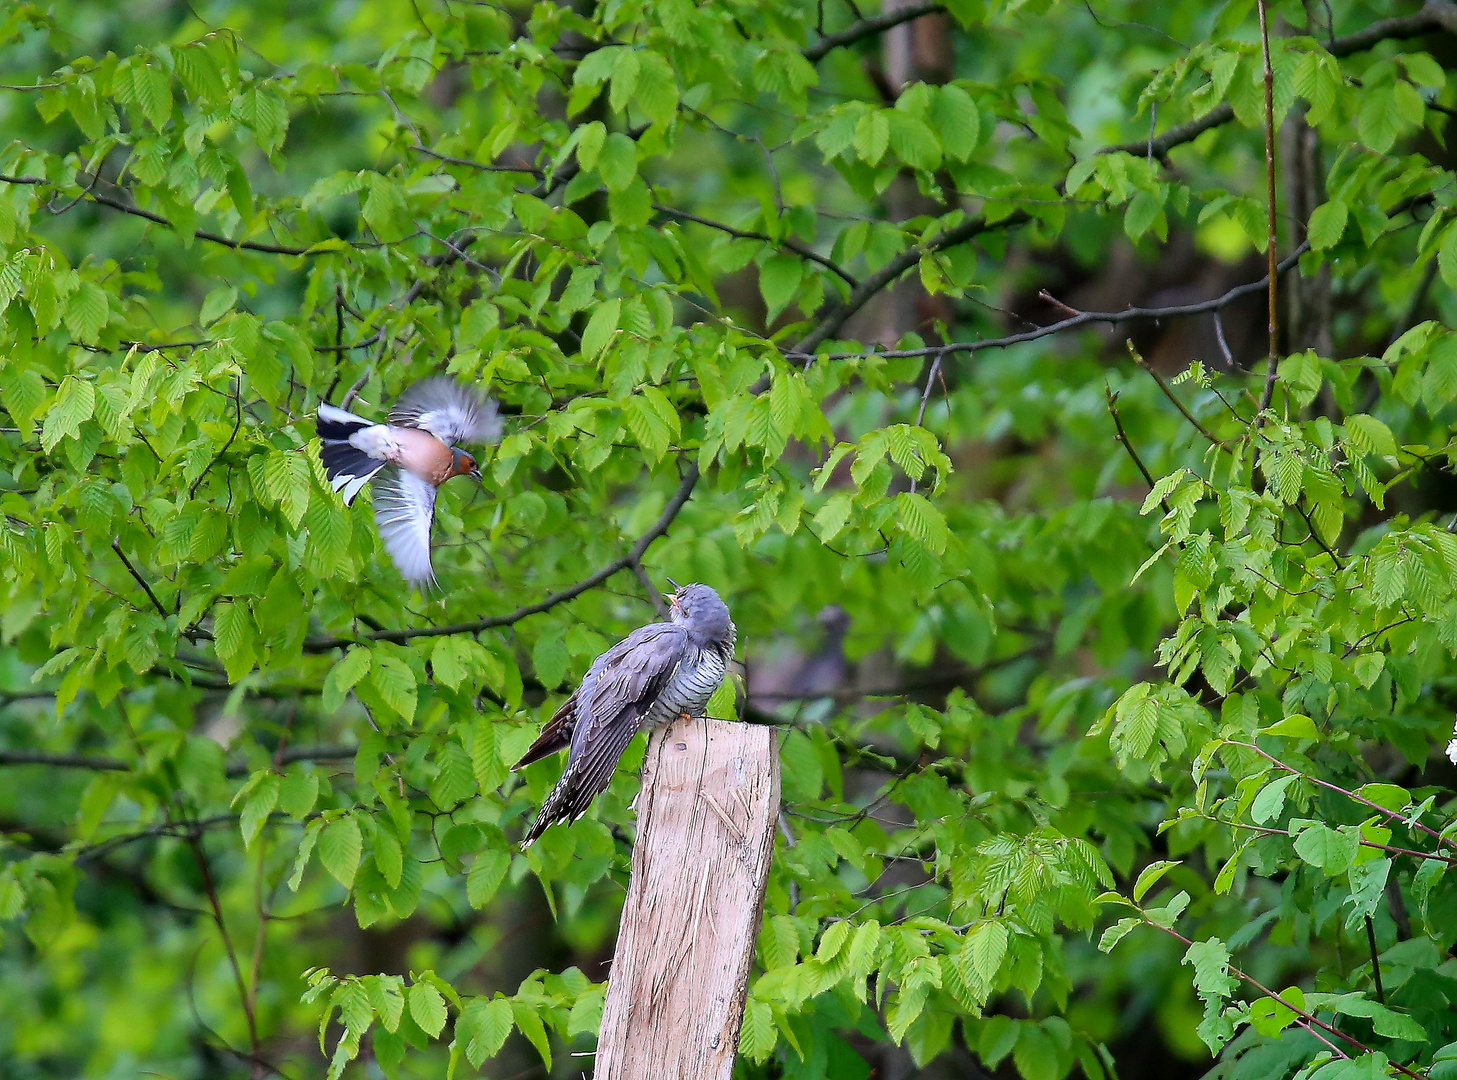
(706, 820)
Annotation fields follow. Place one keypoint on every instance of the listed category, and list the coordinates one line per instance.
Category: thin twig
(655, 595)
(235, 769)
(238, 400)
(1122, 437)
(926, 396)
(1391, 814)
(152, 216)
(1169, 393)
(1308, 1018)
(116, 547)
(745, 234)
(1271, 238)
(1072, 322)
(1375, 960)
(209, 885)
(866, 27)
(675, 504)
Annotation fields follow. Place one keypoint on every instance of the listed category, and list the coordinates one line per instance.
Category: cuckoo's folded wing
(451, 411)
(620, 688)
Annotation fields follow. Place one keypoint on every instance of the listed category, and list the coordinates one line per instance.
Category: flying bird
(413, 453)
(658, 673)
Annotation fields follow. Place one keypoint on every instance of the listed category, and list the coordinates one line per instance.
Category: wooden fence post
(706, 821)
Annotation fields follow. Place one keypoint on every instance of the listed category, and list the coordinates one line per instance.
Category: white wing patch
(451, 411)
(376, 441)
(404, 509)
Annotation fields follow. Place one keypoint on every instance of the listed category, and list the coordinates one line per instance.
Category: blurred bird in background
(414, 452)
(658, 673)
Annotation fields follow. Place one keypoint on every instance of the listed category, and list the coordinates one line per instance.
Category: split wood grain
(706, 821)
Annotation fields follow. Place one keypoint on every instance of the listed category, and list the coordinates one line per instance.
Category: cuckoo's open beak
(673, 583)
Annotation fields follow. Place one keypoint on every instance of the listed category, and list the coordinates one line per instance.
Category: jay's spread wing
(404, 508)
(617, 692)
(451, 411)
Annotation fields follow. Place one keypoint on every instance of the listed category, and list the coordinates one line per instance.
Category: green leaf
(1331, 850)
(757, 1036)
(601, 327)
(617, 161)
(779, 279)
(1271, 799)
(259, 804)
(340, 848)
(1150, 876)
(1327, 224)
(1117, 932)
(88, 311)
(485, 877)
(483, 1027)
(427, 1008)
(73, 405)
(1297, 726)
(395, 681)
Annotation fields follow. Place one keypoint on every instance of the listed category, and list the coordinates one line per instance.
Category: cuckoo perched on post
(658, 673)
(416, 450)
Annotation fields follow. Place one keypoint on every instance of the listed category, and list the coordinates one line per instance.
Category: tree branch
(1072, 322)
(867, 27)
(571, 592)
(1272, 233)
(152, 216)
(107, 764)
(789, 245)
(132, 570)
(1436, 15)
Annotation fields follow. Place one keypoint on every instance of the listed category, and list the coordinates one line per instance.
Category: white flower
(1452, 746)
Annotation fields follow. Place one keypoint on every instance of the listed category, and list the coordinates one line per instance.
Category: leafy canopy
(1140, 759)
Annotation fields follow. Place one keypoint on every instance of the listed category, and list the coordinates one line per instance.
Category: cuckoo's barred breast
(691, 685)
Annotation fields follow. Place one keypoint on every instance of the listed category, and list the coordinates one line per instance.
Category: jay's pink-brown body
(413, 453)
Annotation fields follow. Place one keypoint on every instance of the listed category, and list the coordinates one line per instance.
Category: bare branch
(1436, 15)
(108, 764)
(790, 245)
(1272, 230)
(63, 761)
(1072, 322)
(1122, 437)
(116, 547)
(152, 216)
(868, 27)
(571, 592)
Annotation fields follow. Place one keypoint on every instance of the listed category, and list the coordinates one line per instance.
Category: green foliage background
(1138, 759)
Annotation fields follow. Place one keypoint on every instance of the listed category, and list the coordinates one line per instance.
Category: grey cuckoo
(416, 449)
(656, 674)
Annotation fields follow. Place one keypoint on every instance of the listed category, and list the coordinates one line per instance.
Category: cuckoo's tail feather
(555, 736)
(347, 467)
(588, 772)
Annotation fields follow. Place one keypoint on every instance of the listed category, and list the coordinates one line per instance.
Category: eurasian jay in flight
(414, 452)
